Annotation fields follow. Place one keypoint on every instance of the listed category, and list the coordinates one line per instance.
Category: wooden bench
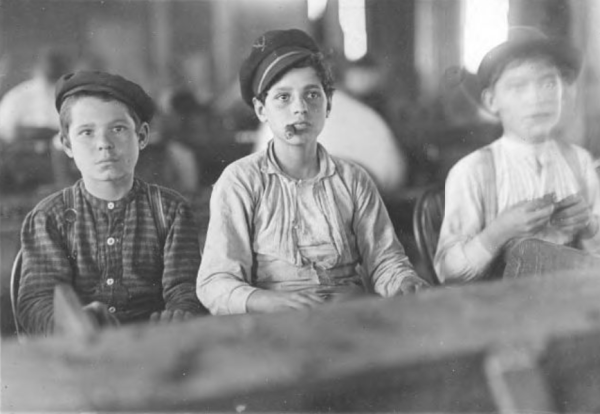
(521, 344)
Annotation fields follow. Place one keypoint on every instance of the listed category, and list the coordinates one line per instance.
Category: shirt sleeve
(45, 264)
(461, 256)
(223, 284)
(382, 255)
(181, 263)
(592, 183)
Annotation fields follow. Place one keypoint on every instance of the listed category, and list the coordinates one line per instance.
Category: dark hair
(567, 74)
(316, 61)
(65, 108)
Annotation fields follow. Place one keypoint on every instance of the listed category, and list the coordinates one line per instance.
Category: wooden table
(527, 344)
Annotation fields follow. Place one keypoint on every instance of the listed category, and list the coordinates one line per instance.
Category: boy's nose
(300, 106)
(104, 141)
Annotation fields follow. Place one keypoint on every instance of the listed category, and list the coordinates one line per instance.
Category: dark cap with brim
(523, 42)
(121, 89)
(273, 53)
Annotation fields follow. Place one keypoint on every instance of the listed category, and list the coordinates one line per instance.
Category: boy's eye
(313, 94)
(119, 128)
(86, 133)
(516, 86)
(284, 97)
(550, 83)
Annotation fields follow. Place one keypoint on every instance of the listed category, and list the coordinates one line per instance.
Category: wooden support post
(516, 381)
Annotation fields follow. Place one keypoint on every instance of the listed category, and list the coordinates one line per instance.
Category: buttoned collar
(105, 205)
(270, 165)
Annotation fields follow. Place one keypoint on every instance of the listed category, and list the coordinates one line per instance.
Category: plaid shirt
(118, 259)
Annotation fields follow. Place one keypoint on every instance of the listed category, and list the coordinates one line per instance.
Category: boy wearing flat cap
(129, 249)
(293, 227)
(525, 184)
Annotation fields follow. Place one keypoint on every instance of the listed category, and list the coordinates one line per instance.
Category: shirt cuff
(239, 298)
(477, 254)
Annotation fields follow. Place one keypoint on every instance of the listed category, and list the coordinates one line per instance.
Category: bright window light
(353, 21)
(485, 26)
(316, 9)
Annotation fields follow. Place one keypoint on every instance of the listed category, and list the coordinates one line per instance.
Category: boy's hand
(100, 315)
(573, 216)
(166, 316)
(523, 219)
(412, 284)
(273, 301)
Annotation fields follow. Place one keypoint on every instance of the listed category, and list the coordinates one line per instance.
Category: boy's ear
(144, 135)
(66, 145)
(489, 101)
(259, 109)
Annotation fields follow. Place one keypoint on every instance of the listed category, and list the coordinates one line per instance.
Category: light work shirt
(522, 172)
(270, 231)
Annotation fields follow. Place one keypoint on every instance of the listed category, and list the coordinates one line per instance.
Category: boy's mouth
(107, 161)
(299, 126)
(541, 115)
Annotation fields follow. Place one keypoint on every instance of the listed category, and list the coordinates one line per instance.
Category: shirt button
(110, 241)
(111, 205)
(110, 281)
(112, 309)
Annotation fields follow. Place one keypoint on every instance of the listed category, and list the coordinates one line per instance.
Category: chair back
(427, 222)
(15, 280)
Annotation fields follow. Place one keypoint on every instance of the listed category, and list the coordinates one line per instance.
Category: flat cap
(271, 54)
(523, 41)
(124, 90)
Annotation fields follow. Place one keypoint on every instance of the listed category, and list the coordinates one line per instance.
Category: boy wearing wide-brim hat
(293, 227)
(525, 184)
(129, 249)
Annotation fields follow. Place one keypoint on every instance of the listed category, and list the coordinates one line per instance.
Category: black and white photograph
(299, 206)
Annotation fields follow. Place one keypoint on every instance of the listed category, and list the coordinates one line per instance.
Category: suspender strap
(490, 194)
(568, 151)
(157, 212)
(70, 219)
(570, 154)
(490, 207)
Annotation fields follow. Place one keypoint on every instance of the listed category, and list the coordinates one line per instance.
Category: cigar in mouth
(290, 131)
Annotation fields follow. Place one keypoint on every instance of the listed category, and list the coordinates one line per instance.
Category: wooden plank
(418, 353)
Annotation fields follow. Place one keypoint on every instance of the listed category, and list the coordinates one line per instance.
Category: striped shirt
(521, 172)
(118, 258)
